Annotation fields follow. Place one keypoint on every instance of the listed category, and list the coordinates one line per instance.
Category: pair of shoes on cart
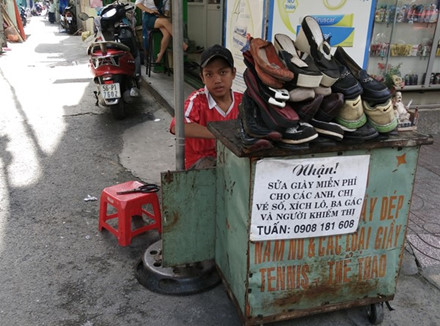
(263, 119)
(288, 111)
(375, 96)
(315, 76)
(346, 77)
(306, 94)
(298, 89)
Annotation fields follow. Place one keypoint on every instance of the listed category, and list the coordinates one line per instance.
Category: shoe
(307, 58)
(300, 134)
(134, 92)
(267, 61)
(304, 75)
(330, 106)
(381, 116)
(252, 122)
(322, 90)
(299, 94)
(307, 109)
(347, 84)
(277, 97)
(366, 132)
(374, 92)
(274, 117)
(328, 110)
(251, 144)
(351, 115)
(311, 40)
(280, 94)
(328, 129)
(265, 78)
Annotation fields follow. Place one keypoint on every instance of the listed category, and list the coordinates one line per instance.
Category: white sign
(349, 23)
(242, 17)
(304, 198)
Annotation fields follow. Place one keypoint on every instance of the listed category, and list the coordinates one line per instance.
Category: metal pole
(177, 8)
(2, 33)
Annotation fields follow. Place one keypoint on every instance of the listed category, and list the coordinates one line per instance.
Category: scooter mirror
(83, 16)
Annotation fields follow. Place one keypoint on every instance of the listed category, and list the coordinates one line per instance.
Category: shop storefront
(404, 42)
(386, 37)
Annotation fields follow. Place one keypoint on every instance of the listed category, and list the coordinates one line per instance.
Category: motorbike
(23, 15)
(115, 57)
(68, 19)
(37, 9)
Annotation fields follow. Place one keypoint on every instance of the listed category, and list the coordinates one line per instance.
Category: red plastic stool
(126, 206)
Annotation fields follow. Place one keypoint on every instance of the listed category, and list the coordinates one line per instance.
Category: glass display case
(405, 42)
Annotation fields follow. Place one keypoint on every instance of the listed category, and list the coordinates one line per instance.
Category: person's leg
(166, 37)
(166, 27)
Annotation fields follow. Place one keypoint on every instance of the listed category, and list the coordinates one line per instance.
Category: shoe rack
(405, 40)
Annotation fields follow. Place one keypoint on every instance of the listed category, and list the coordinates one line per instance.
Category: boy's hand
(194, 130)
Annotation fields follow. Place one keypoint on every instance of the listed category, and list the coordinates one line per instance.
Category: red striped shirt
(201, 108)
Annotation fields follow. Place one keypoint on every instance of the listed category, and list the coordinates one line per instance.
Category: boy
(215, 102)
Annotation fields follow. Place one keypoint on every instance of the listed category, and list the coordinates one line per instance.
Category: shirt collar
(212, 103)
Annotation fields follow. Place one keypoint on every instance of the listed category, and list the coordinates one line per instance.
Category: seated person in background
(215, 102)
(154, 15)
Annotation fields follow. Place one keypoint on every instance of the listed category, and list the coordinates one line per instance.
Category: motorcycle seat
(104, 45)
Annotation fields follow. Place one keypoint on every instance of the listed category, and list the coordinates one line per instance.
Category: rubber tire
(71, 29)
(119, 112)
(375, 313)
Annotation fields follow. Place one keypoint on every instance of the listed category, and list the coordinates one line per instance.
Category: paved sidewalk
(423, 237)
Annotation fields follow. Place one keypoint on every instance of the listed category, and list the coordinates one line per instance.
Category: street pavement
(57, 147)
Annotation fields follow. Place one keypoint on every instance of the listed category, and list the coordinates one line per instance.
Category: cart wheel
(375, 313)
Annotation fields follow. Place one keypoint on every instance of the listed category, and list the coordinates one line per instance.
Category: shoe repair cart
(296, 232)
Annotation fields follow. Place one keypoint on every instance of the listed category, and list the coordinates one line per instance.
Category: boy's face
(218, 76)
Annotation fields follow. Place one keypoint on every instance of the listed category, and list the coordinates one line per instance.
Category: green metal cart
(295, 233)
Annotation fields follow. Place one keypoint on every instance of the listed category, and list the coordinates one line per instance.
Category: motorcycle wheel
(119, 111)
(71, 30)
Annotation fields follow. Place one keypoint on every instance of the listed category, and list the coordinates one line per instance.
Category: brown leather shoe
(265, 78)
(267, 60)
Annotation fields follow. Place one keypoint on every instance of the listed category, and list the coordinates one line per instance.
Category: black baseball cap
(216, 51)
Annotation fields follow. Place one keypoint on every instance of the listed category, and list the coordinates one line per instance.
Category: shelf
(409, 47)
(406, 23)
(402, 56)
(421, 88)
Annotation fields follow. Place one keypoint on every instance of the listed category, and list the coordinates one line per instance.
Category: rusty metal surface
(259, 320)
(188, 216)
(283, 279)
(225, 132)
(231, 248)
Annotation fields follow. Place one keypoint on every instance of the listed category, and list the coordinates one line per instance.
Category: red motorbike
(115, 58)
